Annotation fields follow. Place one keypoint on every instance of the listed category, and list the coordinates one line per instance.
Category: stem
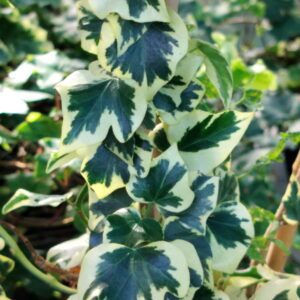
(19, 255)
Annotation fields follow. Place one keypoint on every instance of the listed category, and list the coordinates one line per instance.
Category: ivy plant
(160, 220)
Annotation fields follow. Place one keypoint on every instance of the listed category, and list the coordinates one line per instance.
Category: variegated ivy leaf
(95, 102)
(291, 203)
(217, 69)
(195, 269)
(148, 53)
(90, 27)
(126, 227)
(139, 11)
(175, 230)
(229, 231)
(101, 208)
(143, 273)
(166, 185)
(23, 198)
(279, 289)
(69, 254)
(108, 166)
(228, 187)
(206, 194)
(182, 93)
(205, 140)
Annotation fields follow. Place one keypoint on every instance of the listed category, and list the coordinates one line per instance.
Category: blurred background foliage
(39, 46)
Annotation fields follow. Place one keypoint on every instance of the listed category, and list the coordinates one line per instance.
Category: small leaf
(69, 254)
(166, 184)
(127, 228)
(148, 272)
(23, 198)
(291, 203)
(217, 70)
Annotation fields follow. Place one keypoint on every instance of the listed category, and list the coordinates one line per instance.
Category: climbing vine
(164, 213)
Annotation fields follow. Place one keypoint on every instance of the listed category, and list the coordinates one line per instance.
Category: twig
(46, 278)
(39, 260)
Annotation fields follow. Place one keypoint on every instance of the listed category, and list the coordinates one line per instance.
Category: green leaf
(23, 198)
(38, 126)
(127, 228)
(107, 167)
(211, 294)
(292, 203)
(217, 70)
(90, 27)
(157, 47)
(94, 102)
(148, 272)
(141, 11)
(229, 231)
(69, 254)
(166, 184)
(205, 140)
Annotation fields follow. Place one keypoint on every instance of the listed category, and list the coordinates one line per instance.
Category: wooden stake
(276, 259)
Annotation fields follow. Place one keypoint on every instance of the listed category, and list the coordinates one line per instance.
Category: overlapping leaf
(182, 93)
(229, 231)
(126, 227)
(90, 27)
(94, 102)
(101, 208)
(107, 167)
(195, 217)
(166, 184)
(139, 11)
(195, 268)
(205, 140)
(144, 273)
(174, 231)
(148, 53)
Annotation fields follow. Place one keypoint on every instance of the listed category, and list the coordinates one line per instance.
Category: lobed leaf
(166, 184)
(147, 53)
(146, 273)
(95, 102)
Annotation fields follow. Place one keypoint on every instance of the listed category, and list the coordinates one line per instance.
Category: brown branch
(44, 265)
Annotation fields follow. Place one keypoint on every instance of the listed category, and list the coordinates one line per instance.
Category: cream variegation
(204, 153)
